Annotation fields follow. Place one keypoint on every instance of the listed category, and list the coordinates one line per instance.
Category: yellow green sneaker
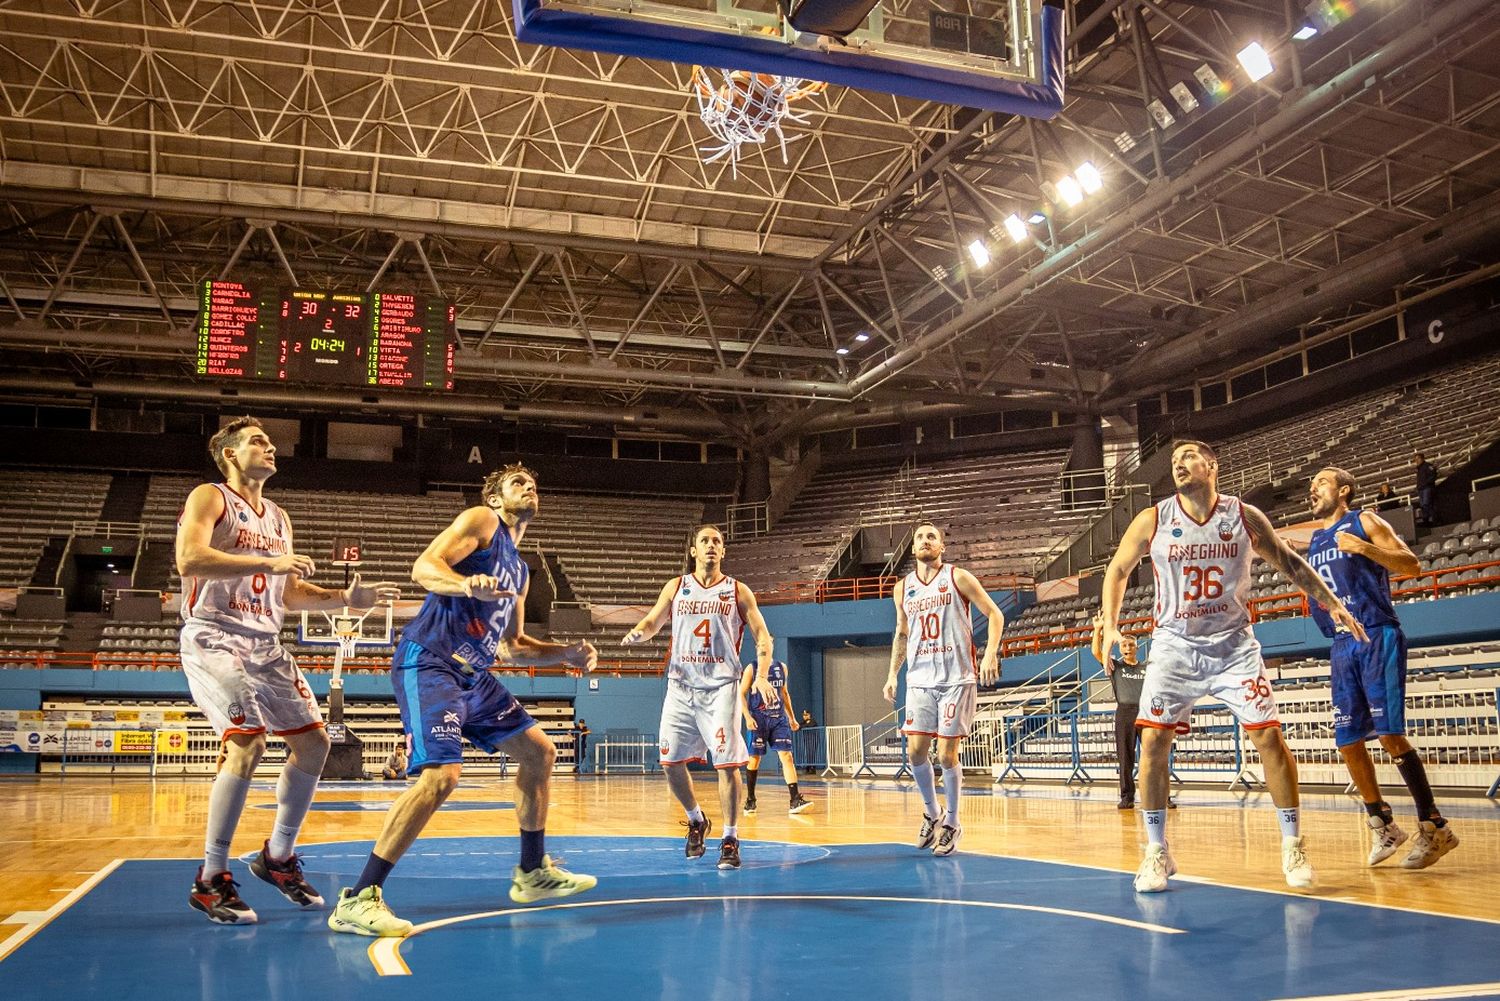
(366, 913)
(545, 881)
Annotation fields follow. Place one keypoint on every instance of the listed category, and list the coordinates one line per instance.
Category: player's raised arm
(1134, 545)
(302, 596)
(1273, 549)
(968, 585)
(1385, 546)
(898, 647)
(660, 613)
(197, 557)
(473, 528)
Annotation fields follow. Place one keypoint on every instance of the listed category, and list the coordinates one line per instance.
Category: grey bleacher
(26, 636)
(37, 505)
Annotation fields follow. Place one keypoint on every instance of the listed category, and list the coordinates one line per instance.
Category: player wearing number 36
(235, 554)
(1201, 545)
(701, 714)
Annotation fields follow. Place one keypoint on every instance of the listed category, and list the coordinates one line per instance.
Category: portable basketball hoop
(746, 108)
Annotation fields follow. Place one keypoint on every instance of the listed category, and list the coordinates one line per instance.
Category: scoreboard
(334, 338)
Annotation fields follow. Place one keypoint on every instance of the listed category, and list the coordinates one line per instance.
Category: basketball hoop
(746, 108)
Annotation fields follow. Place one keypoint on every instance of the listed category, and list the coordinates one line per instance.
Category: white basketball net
(746, 108)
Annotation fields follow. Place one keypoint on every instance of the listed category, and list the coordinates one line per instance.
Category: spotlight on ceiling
(1016, 228)
(1089, 177)
(1305, 32)
(1069, 190)
(1256, 61)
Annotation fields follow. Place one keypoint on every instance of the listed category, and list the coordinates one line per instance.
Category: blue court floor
(864, 921)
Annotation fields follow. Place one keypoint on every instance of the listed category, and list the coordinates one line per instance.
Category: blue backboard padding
(764, 54)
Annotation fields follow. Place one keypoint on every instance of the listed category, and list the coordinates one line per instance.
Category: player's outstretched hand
(302, 566)
(485, 588)
(582, 654)
(361, 595)
(633, 637)
(1346, 623)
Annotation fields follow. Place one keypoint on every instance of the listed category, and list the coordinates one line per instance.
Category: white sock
(1156, 827)
(732, 831)
(294, 795)
(953, 787)
(695, 815)
(225, 803)
(923, 775)
(1290, 820)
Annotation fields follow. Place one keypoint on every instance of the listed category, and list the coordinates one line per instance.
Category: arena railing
(148, 661)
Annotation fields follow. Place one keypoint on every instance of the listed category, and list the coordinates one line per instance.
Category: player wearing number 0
(235, 554)
(1354, 552)
(473, 617)
(701, 714)
(1201, 545)
(935, 638)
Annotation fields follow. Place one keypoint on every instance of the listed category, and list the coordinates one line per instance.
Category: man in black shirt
(1427, 477)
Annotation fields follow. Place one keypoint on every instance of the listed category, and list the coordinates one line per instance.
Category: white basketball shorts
(946, 711)
(1228, 668)
(246, 684)
(699, 722)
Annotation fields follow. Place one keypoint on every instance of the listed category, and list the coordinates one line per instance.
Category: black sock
(376, 870)
(793, 790)
(751, 774)
(533, 847)
(1380, 809)
(1415, 777)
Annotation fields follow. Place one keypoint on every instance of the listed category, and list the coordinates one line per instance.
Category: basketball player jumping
(1354, 552)
(701, 714)
(235, 551)
(1201, 544)
(941, 680)
(473, 616)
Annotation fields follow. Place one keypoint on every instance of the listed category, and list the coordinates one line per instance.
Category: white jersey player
(935, 640)
(242, 573)
(701, 714)
(1201, 544)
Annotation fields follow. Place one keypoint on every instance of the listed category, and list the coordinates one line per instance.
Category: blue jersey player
(471, 618)
(1355, 552)
(772, 722)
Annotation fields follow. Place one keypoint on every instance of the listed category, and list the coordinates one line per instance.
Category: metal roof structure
(604, 274)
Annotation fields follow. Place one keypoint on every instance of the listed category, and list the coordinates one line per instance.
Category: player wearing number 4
(1201, 545)
(473, 617)
(701, 714)
(935, 638)
(235, 553)
(1354, 552)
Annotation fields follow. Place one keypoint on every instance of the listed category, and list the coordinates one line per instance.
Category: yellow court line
(385, 953)
(16, 940)
(1412, 993)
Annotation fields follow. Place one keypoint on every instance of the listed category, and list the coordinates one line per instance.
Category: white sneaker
(1151, 877)
(1385, 838)
(947, 842)
(928, 836)
(1294, 863)
(1432, 843)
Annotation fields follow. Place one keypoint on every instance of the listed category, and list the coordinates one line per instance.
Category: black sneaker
(286, 877)
(697, 831)
(729, 853)
(799, 804)
(750, 806)
(219, 898)
(1126, 803)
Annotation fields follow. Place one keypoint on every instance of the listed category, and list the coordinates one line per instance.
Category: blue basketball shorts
(441, 704)
(1369, 685)
(769, 732)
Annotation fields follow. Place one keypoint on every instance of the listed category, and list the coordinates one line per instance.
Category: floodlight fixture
(980, 253)
(1089, 178)
(861, 337)
(1070, 190)
(1256, 61)
(841, 351)
(1016, 228)
(1305, 32)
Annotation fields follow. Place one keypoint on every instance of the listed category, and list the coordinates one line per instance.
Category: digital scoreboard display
(333, 338)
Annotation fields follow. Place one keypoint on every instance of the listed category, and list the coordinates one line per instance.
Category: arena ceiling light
(1305, 32)
(1016, 228)
(1089, 178)
(1069, 190)
(1256, 61)
(841, 351)
(980, 253)
(861, 337)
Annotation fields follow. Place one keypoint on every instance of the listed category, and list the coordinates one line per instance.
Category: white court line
(385, 953)
(25, 932)
(1412, 993)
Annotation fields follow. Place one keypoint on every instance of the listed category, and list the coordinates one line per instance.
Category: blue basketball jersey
(466, 629)
(1361, 584)
(776, 676)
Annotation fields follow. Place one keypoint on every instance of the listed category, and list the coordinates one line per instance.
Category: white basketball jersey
(254, 603)
(940, 634)
(1202, 569)
(706, 631)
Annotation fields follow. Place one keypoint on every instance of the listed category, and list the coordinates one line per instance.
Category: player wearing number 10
(701, 714)
(1201, 545)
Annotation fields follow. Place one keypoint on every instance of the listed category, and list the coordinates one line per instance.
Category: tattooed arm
(1274, 550)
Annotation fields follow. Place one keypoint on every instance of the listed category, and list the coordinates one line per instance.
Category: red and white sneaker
(219, 898)
(286, 877)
